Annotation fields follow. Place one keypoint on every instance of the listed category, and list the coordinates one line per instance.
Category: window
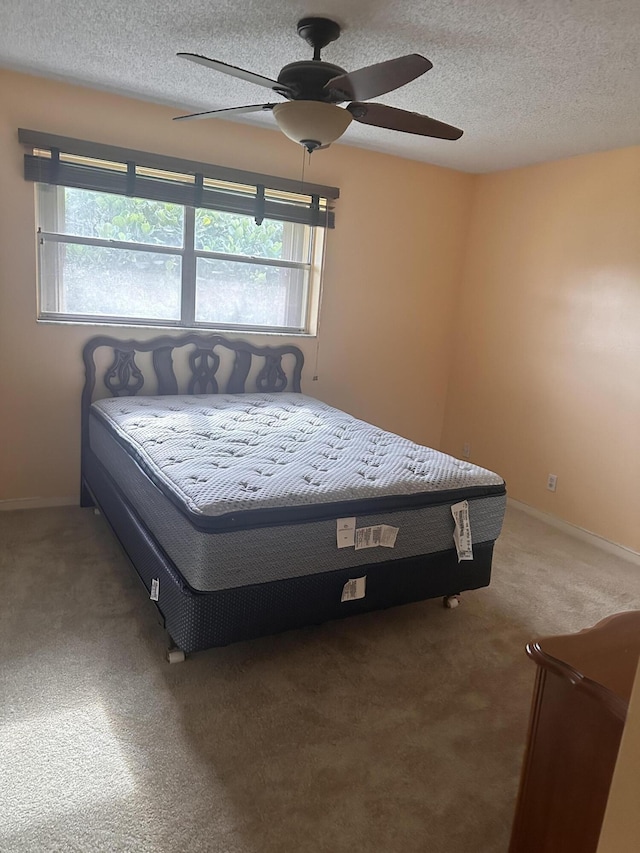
(116, 258)
(124, 242)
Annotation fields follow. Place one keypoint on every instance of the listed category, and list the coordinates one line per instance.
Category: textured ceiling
(528, 80)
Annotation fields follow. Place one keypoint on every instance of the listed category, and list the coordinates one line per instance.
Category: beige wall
(546, 361)
(393, 264)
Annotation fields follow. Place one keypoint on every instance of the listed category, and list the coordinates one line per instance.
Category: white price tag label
(462, 530)
(155, 589)
(377, 536)
(366, 538)
(389, 535)
(345, 532)
(354, 589)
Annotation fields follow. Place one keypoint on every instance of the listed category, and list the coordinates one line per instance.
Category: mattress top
(219, 456)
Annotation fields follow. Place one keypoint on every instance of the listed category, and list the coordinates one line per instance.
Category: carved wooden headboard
(209, 364)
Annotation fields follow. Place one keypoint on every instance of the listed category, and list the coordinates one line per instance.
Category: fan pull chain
(304, 161)
(315, 377)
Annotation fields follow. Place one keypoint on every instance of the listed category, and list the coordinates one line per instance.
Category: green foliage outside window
(139, 220)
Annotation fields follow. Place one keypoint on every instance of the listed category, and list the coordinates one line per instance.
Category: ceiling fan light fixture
(314, 124)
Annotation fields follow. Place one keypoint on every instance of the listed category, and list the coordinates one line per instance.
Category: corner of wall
(461, 278)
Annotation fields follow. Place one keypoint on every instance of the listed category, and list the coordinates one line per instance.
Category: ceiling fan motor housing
(307, 80)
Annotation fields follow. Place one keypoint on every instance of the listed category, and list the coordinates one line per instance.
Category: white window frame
(49, 296)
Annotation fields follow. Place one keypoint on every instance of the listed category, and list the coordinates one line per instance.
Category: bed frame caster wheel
(451, 601)
(175, 655)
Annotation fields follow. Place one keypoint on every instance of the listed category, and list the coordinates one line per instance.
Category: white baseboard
(38, 503)
(579, 532)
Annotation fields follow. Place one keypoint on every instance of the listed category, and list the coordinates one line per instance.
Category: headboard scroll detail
(203, 364)
(272, 377)
(123, 378)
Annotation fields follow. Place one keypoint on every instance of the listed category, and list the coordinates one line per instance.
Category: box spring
(200, 620)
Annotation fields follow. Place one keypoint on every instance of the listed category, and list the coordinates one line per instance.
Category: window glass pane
(249, 294)
(80, 279)
(107, 282)
(85, 213)
(235, 234)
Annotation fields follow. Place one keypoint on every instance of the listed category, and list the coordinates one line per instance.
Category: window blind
(88, 165)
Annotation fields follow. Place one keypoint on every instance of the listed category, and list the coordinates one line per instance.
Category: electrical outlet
(466, 450)
(552, 482)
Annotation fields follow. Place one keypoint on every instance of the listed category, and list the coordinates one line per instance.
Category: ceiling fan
(314, 88)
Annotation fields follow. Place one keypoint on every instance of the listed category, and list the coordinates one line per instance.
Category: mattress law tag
(155, 589)
(389, 535)
(377, 536)
(462, 531)
(354, 588)
(367, 537)
(345, 532)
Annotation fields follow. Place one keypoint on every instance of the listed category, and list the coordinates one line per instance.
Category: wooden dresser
(580, 702)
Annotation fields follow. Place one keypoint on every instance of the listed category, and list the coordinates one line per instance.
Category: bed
(248, 508)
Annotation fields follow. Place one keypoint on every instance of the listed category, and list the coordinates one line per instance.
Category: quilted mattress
(248, 488)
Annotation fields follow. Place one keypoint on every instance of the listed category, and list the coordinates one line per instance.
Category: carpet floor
(400, 730)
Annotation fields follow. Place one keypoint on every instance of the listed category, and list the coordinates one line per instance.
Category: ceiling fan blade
(380, 115)
(378, 79)
(252, 108)
(241, 73)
